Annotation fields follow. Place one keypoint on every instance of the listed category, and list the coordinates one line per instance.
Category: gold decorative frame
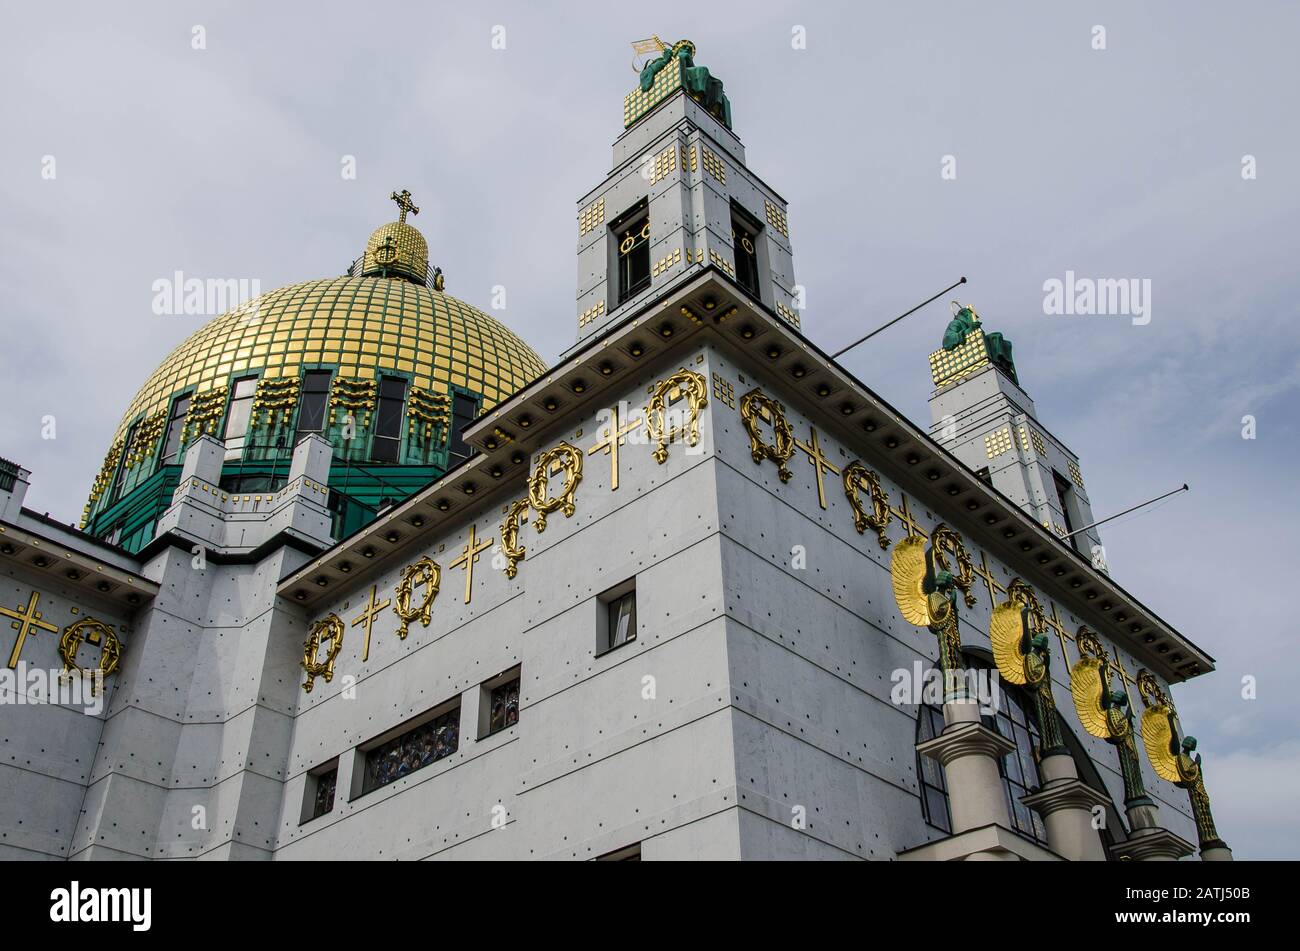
(510, 546)
(91, 631)
(328, 628)
(563, 458)
(425, 572)
(856, 478)
(667, 391)
(756, 405)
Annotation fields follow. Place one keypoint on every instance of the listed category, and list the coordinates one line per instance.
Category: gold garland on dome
(510, 547)
(205, 413)
(353, 395)
(328, 628)
(145, 441)
(683, 383)
(946, 542)
(754, 406)
(275, 397)
(425, 572)
(106, 471)
(563, 458)
(90, 631)
(429, 409)
(856, 478)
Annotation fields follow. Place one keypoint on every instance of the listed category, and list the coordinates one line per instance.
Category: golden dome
(362, 326)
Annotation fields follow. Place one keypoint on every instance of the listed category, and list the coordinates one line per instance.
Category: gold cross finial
(368, 615)
(468, 556)
(404, 205)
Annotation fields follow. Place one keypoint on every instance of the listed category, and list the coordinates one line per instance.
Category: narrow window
(315, 398)
(633, 237)
(745, 240)
(322, 783)
(504, 709)
(128, 447)
(464, 410)
(387, 443)
(616, 621)
(1064, 492)
(175, 425)
(499, 702)
(241, 407)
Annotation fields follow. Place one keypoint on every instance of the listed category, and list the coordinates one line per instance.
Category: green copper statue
(964, 320)
(699, 82)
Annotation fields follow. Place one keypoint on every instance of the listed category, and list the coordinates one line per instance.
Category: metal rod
(837, 353)
(1134, 508)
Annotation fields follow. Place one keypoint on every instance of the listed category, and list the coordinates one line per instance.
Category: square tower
(679, 199)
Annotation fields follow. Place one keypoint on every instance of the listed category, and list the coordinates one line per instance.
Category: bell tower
(679, 198)
(981, 415)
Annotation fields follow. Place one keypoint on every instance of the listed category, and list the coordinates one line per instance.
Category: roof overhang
(706, 303)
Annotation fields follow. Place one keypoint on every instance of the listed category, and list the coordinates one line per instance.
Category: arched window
(1019, 768)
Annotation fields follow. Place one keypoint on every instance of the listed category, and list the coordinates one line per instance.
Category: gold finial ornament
(404, 205)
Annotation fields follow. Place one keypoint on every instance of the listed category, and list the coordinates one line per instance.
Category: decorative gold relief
(755, 406)
(724, 391)
(613, 436)
(1012, 626)
(665, 162)
(563, 458)
(424, 572)
(90, 631)
(947, 542)
(714, 165)
(856, 478)
(206, 410)
(26, 621)
(513, 551)
(997, 442)
(145, 441)
(592, 217)
(907, 570)
(817, 459)
(776, 217)
(469, 557)
(329, 628)
(683, 384)
(790, 315)
(367, 617)
(1075, 475)
(274, 402)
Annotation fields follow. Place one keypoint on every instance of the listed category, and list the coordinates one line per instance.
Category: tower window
(315, 397)
(633, 237)
(1065, 492)
(388, 420)
(745, 239)
(241, 407)
(175, 425)
(464, 410)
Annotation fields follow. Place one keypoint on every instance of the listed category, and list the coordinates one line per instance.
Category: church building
(362, 577)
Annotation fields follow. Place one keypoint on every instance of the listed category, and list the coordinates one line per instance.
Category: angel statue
(1105, 713)
(925, 588)
(1172, 757)
(1021, 649)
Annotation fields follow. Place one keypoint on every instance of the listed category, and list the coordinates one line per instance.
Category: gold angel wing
(1086, 685)
(1006, 631)
(908, 570)
(1158, 738)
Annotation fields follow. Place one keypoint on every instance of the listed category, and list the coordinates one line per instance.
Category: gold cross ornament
(904, 515)
(469, 556)
(615, 436)
(404, 205)
(986, 575)
(26, 621)
(817, 459)
(367, 617)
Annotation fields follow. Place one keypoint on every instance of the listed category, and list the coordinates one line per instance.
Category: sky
(1123, 162)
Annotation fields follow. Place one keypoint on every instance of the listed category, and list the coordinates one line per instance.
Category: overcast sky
(1117, 163)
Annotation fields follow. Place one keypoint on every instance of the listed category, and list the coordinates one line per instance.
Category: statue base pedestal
(969, 753)
(1153, 845)
(1067, 806)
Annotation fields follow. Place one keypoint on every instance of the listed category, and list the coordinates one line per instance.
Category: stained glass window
(504, 711)
(324, 799)
(416, 748)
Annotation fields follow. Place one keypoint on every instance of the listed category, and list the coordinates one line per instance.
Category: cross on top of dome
(404, 205)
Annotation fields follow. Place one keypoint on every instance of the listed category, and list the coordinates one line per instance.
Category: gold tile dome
(363, 326)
